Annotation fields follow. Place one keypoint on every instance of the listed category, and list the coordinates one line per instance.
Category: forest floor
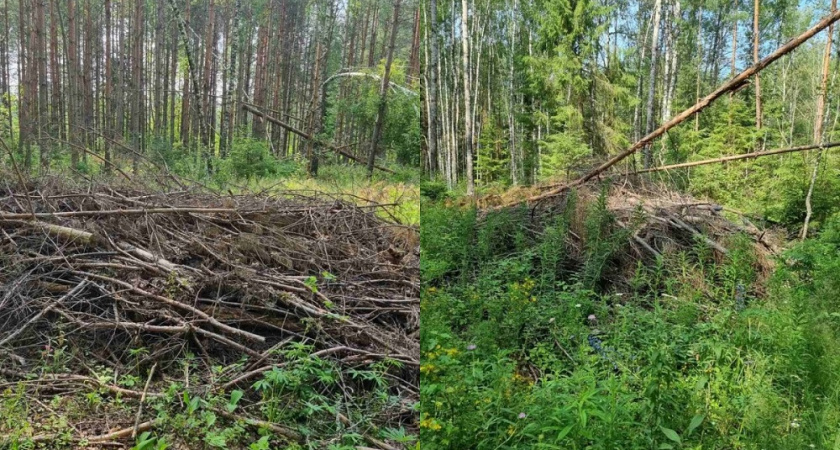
(277, 314)
(625, 318)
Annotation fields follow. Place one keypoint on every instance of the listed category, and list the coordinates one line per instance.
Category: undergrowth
(530, 339)
(252, 167)
(304, 396)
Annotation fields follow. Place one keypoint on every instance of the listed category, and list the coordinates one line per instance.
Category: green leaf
(327, 276)
(564, 432)
(695, 422)
(312, 284)
(235, 396)
(215, 440)
(665, 447)
(671, 434)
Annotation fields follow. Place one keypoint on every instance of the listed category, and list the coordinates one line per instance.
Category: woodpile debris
(657, 222)
(107, 269)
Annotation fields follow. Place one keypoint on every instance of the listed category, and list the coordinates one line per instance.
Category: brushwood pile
(128, 279)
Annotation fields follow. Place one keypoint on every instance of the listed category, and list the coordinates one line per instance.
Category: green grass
(400, 191)
(690, 353)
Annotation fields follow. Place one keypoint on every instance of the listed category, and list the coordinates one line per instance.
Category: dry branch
(124, 212)
(142, 399)
(307, 136)
(109, 269)
(40, 314)
(737, 157)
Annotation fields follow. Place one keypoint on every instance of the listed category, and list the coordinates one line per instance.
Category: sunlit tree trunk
(468, 126)
(654, 55)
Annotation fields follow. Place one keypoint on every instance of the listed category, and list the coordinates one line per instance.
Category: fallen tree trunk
(731, 85)
(307, 136)
(737, 157)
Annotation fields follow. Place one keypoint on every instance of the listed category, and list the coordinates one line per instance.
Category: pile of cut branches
(648, 223)
(233, 281)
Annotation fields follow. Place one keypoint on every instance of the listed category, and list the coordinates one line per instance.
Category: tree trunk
(373, 28)
(383, 91)
(756, 32)
(414, 59)
(654, 55)
(187, 88)
(207, 80)
(56, 118)
(465, 69)
(818, 123)
(431, 88)
(515, 157)
(109, 101)
(227, 121)
(87, 75)
(43, 99)
(732, 61)
(137, 120)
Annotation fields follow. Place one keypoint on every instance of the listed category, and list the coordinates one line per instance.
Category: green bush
(433, 190)
(250, 158)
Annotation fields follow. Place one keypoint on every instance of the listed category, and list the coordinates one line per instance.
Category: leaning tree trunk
(735, 83)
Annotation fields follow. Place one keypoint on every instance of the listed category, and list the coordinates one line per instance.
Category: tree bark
(109, 101)
(228, 108)
(207, 80)
(43, 106)
(137, 120)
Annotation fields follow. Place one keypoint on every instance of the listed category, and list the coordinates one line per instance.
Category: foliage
(304, 395)
(252, 159)
(524, 346)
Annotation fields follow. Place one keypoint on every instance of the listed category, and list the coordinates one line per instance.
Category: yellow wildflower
(430, 423)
